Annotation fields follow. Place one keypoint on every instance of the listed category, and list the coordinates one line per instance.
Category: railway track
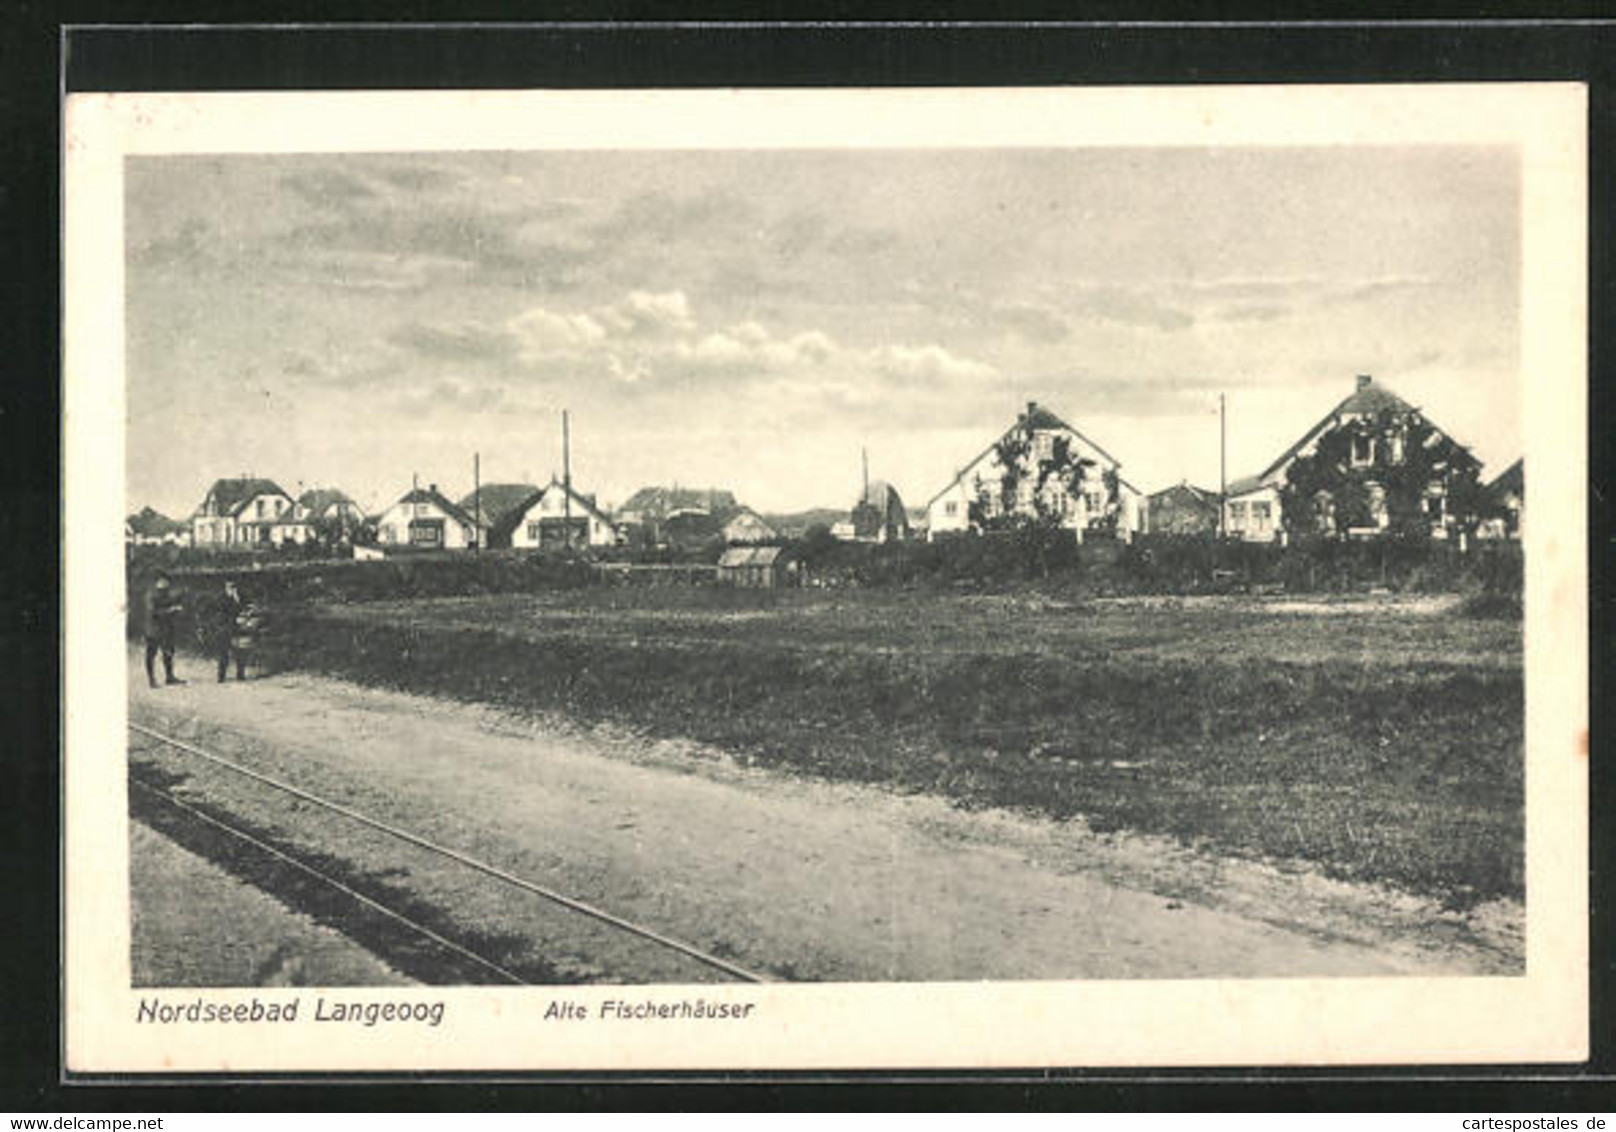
(503, 877)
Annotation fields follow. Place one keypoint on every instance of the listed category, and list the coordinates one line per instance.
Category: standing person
(162, 607)
(225, 613)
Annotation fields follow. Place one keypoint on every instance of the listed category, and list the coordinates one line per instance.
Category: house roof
(231, 495)
(512, 518)
(438, 500)
(883, 497)
(498, 499)
(1198, 494)
(750, 520)
(1366, 399)
(659, 502)
(1511, 480)
(318, 500)
(148, 523)
(1245, 485)
(1039, 419)
(751, 556)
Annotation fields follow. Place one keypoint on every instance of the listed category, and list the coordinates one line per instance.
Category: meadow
(1371, 739)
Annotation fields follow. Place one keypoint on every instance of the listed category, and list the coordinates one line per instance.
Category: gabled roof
(498, 499)
(882, 496)
(1510, 481)
(751, 556)
(318, 500)
(1245, 485)
(1198, 494)
(438, 500)
(231, 495)
(658, 502)
(1039, 419)
(1366, 400)
(148, 523)
(750, 521)
(512, 518)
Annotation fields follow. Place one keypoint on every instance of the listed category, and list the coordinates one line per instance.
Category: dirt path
(799, 879)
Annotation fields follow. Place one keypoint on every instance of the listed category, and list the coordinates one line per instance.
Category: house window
(1095, 501)
(1261, 512)
(1377, 505)
(1434, 507)
(260, 508)
(1397, 448)
(533, 532)
(387, 534)
(1237, 514)
(421, 511)
(951, 507)
(1363, 451)
(1043, 446)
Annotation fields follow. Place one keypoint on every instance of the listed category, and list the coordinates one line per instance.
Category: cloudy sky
(750, 319)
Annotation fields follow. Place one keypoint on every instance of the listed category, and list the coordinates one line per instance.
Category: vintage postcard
(825, 579)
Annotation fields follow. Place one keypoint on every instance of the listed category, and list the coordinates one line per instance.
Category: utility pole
(1223, 466)
(566, 477)
(477, 498)
(864, 454)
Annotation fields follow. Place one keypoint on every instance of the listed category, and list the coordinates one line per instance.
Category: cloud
(1130, 307)
(326, 188)
(456, 341)
(1033, 323)
(543, 334)
(1250, 312)
(929, 364)
(646, 312)
(455, 396)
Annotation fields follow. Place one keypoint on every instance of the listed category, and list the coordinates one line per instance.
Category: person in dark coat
(236, 628)
(161, 609)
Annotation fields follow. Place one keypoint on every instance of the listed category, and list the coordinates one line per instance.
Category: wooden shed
(759, 567)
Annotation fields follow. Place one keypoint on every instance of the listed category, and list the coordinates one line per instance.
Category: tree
(996, 502)
(1386, 465)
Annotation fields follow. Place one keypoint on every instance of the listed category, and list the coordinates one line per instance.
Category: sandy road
(797, 879)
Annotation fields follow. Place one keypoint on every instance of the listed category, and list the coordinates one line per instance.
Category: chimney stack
(432, 487)
(1365, 380)
(1032, 407)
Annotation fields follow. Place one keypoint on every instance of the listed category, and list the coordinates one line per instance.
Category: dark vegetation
(1377, 745)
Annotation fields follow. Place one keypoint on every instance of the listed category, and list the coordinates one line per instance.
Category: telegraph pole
(566, 477)
(1223, 465)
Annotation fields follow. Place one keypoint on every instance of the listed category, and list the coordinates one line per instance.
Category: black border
(39, 58)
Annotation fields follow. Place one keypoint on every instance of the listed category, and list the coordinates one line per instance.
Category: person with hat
(161, 609)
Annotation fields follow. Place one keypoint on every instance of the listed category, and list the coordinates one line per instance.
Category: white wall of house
(552, 505)
(950, 511)
(424, 525)
(1253, 516)
(209, 528)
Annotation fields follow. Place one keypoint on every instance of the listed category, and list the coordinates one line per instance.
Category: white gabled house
(424, 519)
(554, 517)
(245, 513)
(1369, 428)
(1094, 496)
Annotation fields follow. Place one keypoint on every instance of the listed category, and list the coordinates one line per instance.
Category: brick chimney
(1365, 380)
(432, 487)
(1032, 407)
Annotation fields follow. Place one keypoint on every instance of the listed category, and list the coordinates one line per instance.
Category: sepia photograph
(673, 575)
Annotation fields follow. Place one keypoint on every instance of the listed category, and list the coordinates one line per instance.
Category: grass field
(1376, 741)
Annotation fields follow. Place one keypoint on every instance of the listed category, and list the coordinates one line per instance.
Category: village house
(554, 516)
(879, 515)
(1506, 497)
(148, 527)
(424, 519)
(759, 567)
(1348, 475)
(748, 528)
(1058, 474)
(245, 513)
(493, 502)
(329, 510)
(1182, 509)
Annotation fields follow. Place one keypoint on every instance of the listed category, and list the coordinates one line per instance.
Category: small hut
(758, 567)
